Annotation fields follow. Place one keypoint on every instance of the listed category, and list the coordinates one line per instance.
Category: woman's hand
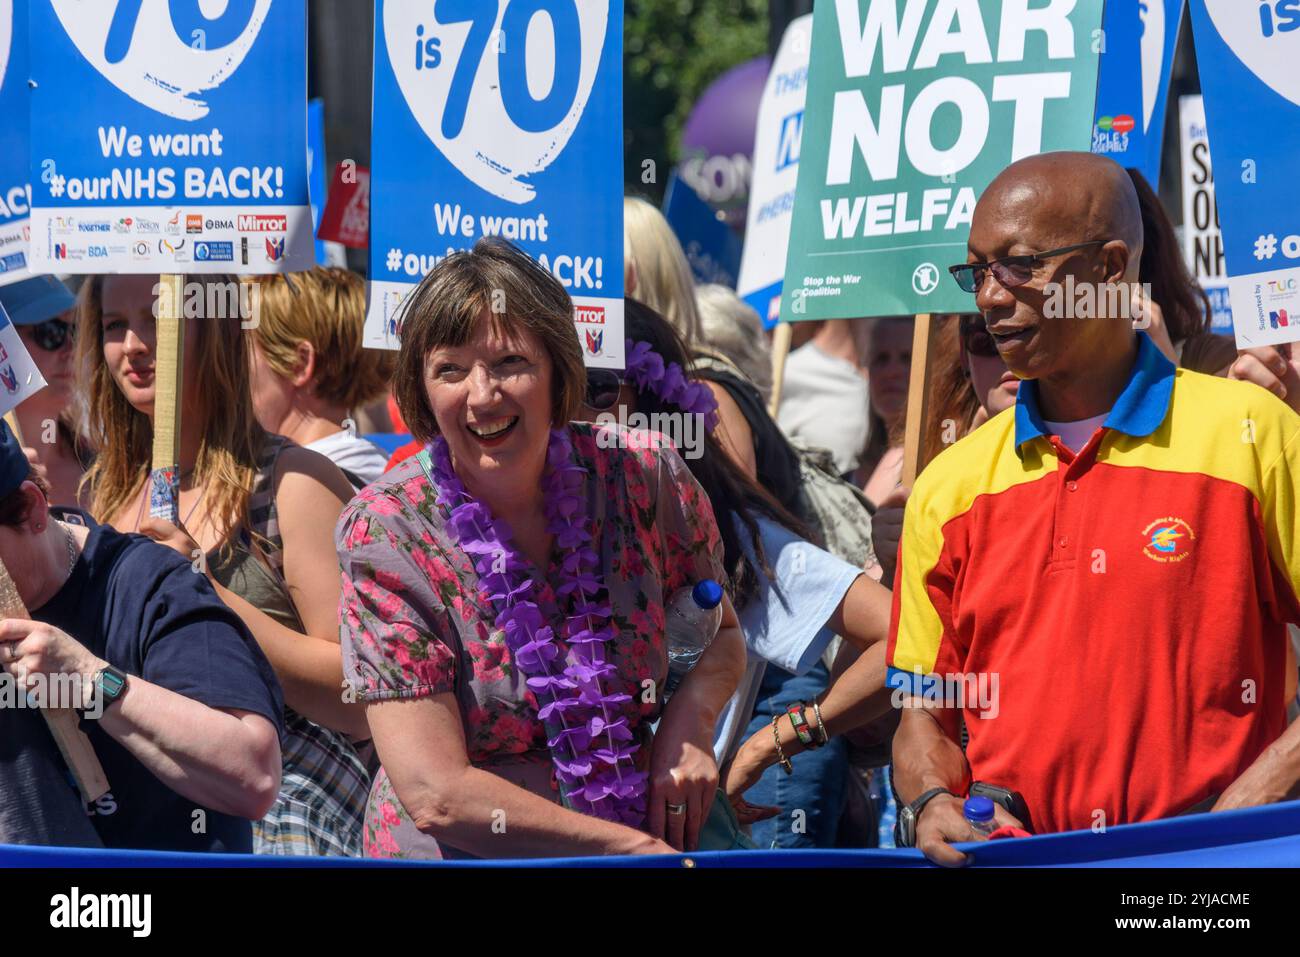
(887, 532)
(174, 536)
(743, 773)
(30, 648)
(1270, 367)
(683, 772)
(1149, 317)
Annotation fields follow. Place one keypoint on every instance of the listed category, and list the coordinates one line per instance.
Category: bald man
(1099, 579)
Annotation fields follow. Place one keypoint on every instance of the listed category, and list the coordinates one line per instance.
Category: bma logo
(504, 95)
(262, 224)
(164, 53)
(787, 150)
(218, 224)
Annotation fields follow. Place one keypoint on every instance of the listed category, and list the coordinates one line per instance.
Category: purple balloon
(718, 141)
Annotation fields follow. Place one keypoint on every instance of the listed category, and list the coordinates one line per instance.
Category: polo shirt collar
(1138, 411)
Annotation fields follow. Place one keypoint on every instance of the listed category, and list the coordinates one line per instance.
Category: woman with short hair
(504, 595)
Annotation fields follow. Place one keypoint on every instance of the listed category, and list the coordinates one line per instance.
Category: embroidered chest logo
(1168, 540)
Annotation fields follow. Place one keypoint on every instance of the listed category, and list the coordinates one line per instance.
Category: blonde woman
(259, 510)
(310, 374)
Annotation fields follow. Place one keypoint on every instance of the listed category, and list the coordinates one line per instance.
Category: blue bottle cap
(707, 593)
(978, 809)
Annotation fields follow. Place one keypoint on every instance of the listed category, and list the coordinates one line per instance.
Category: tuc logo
(164, 53)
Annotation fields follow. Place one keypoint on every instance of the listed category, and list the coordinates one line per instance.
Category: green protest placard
(914, 106)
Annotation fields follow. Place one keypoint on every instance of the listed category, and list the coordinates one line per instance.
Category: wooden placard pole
(78, 753)
(780, 352)
(918, 396)
(165, 477)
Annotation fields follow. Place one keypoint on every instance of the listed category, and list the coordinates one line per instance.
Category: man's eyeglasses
(603, 387)
(1010, 271)
(51, 334)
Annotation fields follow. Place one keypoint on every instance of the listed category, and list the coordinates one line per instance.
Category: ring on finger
(676, 808)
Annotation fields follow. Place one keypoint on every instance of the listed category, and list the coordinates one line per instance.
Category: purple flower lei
(590, 751)
(645, 369)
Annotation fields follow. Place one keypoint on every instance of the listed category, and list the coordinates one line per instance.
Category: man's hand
(1272, 367)
(943, 823)
(30, 648)
(1268, 780)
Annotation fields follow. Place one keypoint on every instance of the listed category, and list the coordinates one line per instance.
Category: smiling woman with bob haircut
(502, 615)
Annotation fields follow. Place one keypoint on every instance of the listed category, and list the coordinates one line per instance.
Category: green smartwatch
(109, 684)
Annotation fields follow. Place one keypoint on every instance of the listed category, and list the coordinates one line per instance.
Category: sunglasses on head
(1009, 271)
(975, 339)
(603, 386)
(51, 334)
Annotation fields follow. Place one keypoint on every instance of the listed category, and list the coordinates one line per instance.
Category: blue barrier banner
(15, 196)
(1251, 87)
(712, 247)
(499, 118)
(1266, 836)
(169, 137)
(1133, 83)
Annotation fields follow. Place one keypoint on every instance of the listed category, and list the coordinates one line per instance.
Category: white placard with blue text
(1250, 85)
(15, 197)
(776, 170)
(19, 377)
(169, 136)
(499, 117)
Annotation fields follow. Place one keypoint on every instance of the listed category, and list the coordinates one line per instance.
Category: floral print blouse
(412, 623)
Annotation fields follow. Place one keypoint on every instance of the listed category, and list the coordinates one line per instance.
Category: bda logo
(161, 53)
(476, 102)
(1271, 58)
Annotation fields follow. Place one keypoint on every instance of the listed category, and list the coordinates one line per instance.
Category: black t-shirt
(141, 607)
(39, 803)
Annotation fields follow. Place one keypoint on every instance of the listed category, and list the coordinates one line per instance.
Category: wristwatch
(909, 814)
(109, 685)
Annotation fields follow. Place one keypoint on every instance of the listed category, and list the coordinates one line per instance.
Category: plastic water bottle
(692, 619)
(979, 815)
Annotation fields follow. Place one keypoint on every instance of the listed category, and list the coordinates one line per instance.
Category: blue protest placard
(15, 198)
(1137, 59)
(316, 187)
(166, 140)
(499, 117)
(712, 247)
(1251, 90)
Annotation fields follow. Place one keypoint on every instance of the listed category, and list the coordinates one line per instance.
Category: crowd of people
(461, 649)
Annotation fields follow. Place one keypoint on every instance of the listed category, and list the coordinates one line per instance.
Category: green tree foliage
(673, 49)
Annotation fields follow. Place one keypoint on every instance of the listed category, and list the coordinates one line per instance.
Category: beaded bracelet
(776, 736)
(800, 724)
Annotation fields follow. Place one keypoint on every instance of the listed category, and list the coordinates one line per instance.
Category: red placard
(346, 219)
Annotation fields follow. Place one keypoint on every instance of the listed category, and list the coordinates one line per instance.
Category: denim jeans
(811, 798)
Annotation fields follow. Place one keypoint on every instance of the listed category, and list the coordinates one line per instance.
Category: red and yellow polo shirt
(1114, 621)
